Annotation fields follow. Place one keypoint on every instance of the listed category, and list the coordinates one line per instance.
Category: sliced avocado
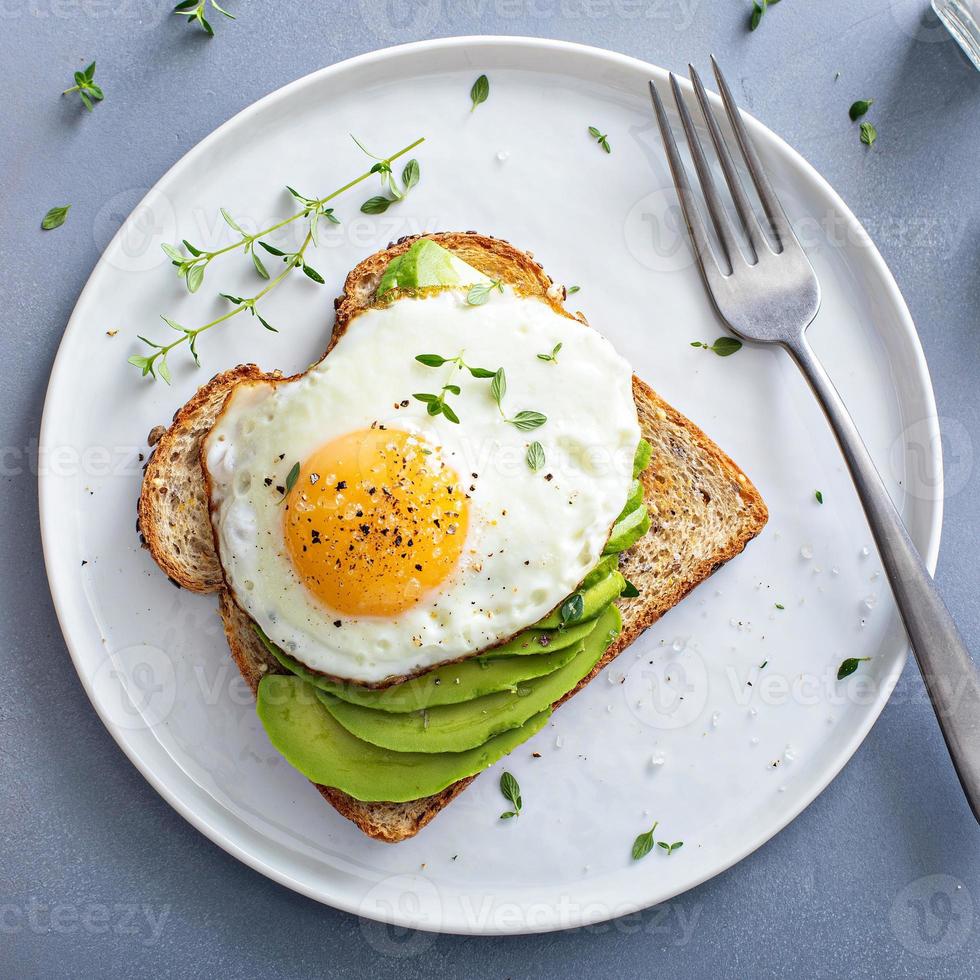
(303, 730)
(389, 278)
(450, 684)
(633, 501)
(641, 460)
(536, 641)
(428, 264)
(595, 595)
(459, 727)
(628, 531)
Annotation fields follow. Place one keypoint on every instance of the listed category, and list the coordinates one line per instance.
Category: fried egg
(370, 538)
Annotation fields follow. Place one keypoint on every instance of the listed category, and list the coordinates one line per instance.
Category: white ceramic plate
(673, 731)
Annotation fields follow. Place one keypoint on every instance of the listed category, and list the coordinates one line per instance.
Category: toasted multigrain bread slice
(703, 509)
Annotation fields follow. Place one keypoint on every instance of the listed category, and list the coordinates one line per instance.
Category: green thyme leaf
(670, 848)
(259, 267)
(511, 791)
(55, 218)
(410, 175)
(480, 91)
(480, 372)
(572, 289)
(723, 346)
(498, 387)
(313, 274)
(859, 108)
(431, 360)
(849, 666)
(779, 605)
(526, 421)
(601, 138)
(86, 88)
(819, 496)
(194, 10)
(643, 844)
(630, 591)
(449, 413)
(291, 479)
(572, 609)
(376, 205)
(553, 356)
(195, 276)
(868, 134)
(535, 456)
(480, 293)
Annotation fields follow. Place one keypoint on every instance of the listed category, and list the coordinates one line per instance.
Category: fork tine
(716, 209)
(781, 227)
(695, 225)
(749, 221)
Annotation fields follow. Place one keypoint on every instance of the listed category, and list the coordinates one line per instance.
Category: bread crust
(699, 501)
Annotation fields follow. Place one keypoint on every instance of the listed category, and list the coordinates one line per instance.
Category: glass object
(962, 17)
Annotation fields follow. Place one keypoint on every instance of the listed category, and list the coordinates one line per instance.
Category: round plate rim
(221, 837)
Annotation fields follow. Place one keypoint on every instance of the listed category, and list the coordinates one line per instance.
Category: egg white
(532, 536)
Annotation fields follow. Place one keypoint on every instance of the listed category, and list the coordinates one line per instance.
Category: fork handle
(950, 675)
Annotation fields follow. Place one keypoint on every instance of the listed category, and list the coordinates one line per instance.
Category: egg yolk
(374, 521)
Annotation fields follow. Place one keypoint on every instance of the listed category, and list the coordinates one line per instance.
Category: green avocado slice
(458, 727)
(628, 531)
(595, 595)
(537, 641)
(641, 460)
(299, 726)
(449, 684)
(428, 264)
(634, 500)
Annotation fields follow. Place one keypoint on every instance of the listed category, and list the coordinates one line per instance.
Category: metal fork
(772, 296)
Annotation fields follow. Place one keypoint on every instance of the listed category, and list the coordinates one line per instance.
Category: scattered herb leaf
(819, 496)
(859, 108)
(480, 91)
(572, 289)
(868, 134)
(194, 10)
(670, 848)
(572, 609)
(630, 591)
(480, 293)
(526, 421)
(643, 844)
(601, 138)
(553, 356)
(86, 88)
(779, 605)
(535, 456)
(759, 7)
(849, 666)
(723, 346)
(291, 479)
(511, 791)
(55, 218)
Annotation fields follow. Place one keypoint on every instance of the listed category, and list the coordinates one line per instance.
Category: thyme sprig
(411, 174)
(191, 268)
(194, 11)
(86, 87)
(155, 364)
